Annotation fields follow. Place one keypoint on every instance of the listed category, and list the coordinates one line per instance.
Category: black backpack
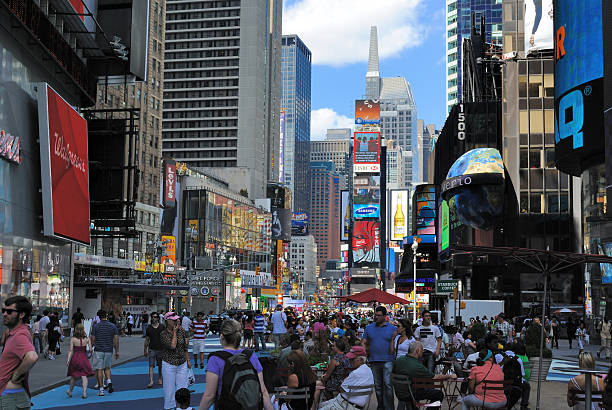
(240, 387)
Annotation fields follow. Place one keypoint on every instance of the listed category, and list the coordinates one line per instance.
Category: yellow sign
(169, 242)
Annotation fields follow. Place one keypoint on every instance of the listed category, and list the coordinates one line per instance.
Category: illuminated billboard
(366, 210)
(578, 34)
(538, 25)
(424, 200)
(366, 244)
(299, 223)
(281, 159)
(367, 112)
(64, 167)
(345, 220)
(398, 214)
(366, 152)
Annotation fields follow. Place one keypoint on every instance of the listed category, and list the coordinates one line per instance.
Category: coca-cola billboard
(64, 167)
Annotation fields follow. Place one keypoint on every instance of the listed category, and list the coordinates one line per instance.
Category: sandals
(150, 385)
(69, 393)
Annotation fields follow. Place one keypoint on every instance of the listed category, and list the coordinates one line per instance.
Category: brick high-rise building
(325, 210)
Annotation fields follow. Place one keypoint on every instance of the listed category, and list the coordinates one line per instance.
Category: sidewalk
(565, 353)
(48, 374)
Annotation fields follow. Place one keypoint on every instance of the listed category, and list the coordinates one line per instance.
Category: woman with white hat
(175, 359)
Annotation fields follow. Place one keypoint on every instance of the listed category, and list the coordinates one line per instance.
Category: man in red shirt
(200, 328)
(18, 356)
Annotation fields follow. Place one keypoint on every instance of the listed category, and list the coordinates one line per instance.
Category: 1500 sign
(10, 147)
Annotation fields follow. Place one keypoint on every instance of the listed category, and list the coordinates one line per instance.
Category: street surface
(130, 380)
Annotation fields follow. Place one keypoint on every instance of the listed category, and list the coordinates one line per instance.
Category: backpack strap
(247, 353)
(221, 354)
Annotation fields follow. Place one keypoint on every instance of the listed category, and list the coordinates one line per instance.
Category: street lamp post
(415, 246)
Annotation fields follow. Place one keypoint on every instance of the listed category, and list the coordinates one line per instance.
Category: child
(580, 335)
(183, 399)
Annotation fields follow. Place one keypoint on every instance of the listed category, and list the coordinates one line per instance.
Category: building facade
(325, 210)
(222, 89)
(458, 27)
(426, 135)
(335, 148)
(303, 255)
(398, 110)
(296, 64)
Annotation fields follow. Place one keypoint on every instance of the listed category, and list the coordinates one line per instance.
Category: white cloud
(338, 31)
(323, 119)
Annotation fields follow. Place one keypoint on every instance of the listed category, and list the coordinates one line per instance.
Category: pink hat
(171, 316)
(356, 351)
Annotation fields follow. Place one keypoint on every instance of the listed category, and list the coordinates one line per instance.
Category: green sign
(446, 286)
(444, 241)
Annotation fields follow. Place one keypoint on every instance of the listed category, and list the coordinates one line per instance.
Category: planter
(534, 363)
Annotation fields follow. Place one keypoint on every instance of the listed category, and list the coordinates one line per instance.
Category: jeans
(382, 384)
(428, 360)
(144, 329)
(37, 345)
(277, 339)
(472, 401)
(174, 377)
(260, 336)
(526, 388)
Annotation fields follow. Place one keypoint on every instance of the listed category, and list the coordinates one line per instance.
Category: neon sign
(10, 147)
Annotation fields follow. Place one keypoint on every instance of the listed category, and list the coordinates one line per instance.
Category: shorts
(198, 346)
(102, 360)
(17, 400)
(155, 357)
(248, 334)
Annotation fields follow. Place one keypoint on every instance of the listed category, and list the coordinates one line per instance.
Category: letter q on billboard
(64, 167)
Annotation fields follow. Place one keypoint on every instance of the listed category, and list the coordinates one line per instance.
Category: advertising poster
(366, 243)
(398, 214)
(367, 151)
(169, 242)
(538, 25)
(281, 159)
(345, 219)
(366, 211)
(169, 182)
(444, 225)
(606, 268)
(367, 112)
(424, 209)
(299, 223)
(64, 167)
(281, 224)
(579, 92)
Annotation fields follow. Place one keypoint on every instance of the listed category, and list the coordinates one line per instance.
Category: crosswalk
(129, 382)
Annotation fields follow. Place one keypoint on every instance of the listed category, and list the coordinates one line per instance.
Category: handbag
(190, 376)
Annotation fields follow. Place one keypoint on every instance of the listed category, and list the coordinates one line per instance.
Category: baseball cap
(355, 352)
(171, 316)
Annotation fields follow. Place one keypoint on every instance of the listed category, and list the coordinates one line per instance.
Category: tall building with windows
(398, 111)
(303, 256)
(426, 135)
(296, 64)
(222, 89)
(336, 149)
(458, 27)
(325, 210)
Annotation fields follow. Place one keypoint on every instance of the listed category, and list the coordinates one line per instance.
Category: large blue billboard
(578, 34)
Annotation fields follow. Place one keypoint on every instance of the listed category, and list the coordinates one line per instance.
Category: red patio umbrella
(376, 295)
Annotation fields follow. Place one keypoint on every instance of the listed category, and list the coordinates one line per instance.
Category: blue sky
(412, 44)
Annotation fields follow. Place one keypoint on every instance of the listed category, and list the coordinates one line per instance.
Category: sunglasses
(9, 311)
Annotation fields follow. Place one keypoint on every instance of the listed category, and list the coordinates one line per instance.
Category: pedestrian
(571, 331)
(301, 376)
(53, 337)
(504, 328)
(144, 319)
(259, 330)
(183, 399)
(199, 339)
(104, 338)
(248, 332)
(36, 334)
(130, 323)
(401, 340)
(78, 362)
(581, 336)
(336, 370)
(577, 384)
(18, 355)
(279, 325)
(175, 358)
(186, 323)
(42, 327)
(153, 349)
(604, 333)
(77, 317)
(554, 324)
(485, 370)
(228, 362)
(431, 338)
(377, 337)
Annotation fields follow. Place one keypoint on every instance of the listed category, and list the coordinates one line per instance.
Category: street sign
(446, 286)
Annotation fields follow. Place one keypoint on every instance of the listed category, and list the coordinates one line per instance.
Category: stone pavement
(48, 374)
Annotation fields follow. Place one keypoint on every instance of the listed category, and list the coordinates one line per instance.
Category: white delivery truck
(472, 308)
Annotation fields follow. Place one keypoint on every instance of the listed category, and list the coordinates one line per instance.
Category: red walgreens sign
(64, 167)
(169, 182)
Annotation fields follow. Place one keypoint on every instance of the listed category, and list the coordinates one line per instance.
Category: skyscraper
(325, 211)
(398, 111)
(222, 89)
(336, 149)
(458, 26)
(295, 107)
(426, 134)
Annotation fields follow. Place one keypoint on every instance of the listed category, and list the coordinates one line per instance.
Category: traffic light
(212, 298)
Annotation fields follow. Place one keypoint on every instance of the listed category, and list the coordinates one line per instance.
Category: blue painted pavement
(129, 382)
(557, 376)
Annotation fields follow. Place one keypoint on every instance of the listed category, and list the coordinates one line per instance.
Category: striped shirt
(199, 330)
(260, 324)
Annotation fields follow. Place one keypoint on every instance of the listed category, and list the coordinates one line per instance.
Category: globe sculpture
(477, 205)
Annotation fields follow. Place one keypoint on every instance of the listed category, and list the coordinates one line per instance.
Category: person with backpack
(234, 378)
(175, 358)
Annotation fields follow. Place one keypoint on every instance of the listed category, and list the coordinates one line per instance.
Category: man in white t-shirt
(186, 323)
(279, 325)
(42, 329)
(350, 399)
(431, 338)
